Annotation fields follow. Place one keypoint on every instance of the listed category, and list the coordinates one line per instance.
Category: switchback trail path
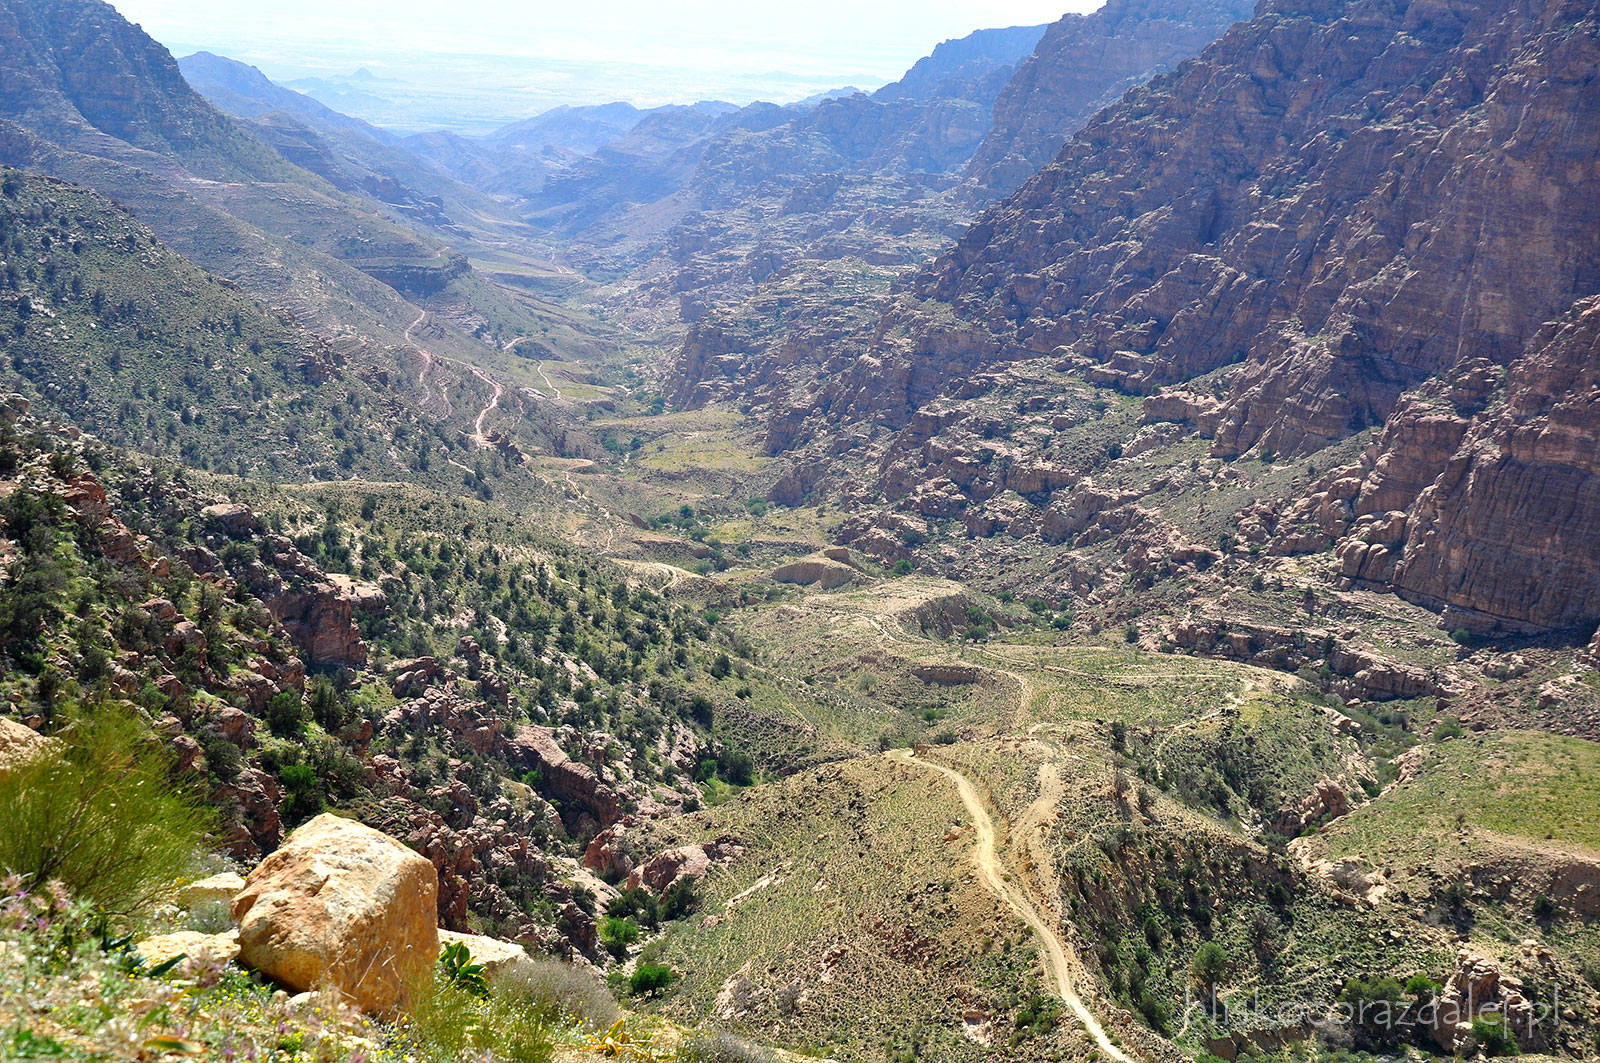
(1059, 968)
(429, 360)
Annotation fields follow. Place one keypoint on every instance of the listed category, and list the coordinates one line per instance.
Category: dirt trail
(430, 360)
(494, 401)
(1062, 962)
(548, 382)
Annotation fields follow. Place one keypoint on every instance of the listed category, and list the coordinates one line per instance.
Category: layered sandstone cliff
(1348, 197)
(1083, 64)
(1505, 536)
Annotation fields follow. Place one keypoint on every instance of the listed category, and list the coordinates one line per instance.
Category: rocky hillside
(786, 199)
(1084, 63)
(1337, 217)
(1351, 197)
(99, 103)
(291, 660)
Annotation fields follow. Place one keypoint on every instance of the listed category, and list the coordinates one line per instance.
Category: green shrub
(556, 992)
(100, 814)
(1210, 966)
(617, 934)
(650, 979)
(459, 971)
(1492, 1036)
(302, 792)
(285, 716)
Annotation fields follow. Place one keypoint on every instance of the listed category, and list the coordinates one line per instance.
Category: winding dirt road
(1060, 969)
(430, 360)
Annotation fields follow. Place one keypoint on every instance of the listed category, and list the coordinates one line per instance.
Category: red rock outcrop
(1351, 196)
(576, 785)
(1084, 63)
(1505, 537)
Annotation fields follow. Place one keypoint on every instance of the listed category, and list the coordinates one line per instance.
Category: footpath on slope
(429, 359)
(1059, 969)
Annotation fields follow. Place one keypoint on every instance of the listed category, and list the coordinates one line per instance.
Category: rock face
(316, 610)
(1084, 63)
(1477, 987)
(574, 783)
(1294, 196)
(1505, 536)
(342, 906)
(824, 572)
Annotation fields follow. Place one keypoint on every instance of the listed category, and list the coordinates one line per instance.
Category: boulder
(345, 907)
(190, 943)
(662, 870)
(216, 888)
(494, 954)
(19, 744)
(234, 518)
(825, 572)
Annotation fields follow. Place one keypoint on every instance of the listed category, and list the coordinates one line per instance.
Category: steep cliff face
(1348, 197)
(1084, 63)
(81, 75)
(1505, 537)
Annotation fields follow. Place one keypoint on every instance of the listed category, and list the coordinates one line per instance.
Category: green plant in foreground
(99, 814)
(458, 970)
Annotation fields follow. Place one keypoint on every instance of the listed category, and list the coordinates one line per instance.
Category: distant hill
(246, 92)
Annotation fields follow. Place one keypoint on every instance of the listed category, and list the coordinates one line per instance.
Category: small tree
(1209, 967)
(617, 934)
(99, 813)
(650, 979)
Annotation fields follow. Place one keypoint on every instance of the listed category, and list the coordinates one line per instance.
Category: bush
(736, 767)
(302, 793)
(719, 1046)
(617, 934)
(1210, 965)
(449, 1024)
(285, 716)
(1492, 1036)
(650, 979)
(556, 992)
(100, 814)
(1376, 1008)
(459, 971)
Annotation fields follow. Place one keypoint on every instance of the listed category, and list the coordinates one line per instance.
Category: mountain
(964, 59)
(1336, 217)
(1084, 63)
(245, 92)
(909, 192)
(80, 75)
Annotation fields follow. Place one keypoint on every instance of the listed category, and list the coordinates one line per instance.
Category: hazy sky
(495, 54)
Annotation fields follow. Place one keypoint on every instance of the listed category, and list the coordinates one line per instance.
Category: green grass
(1522, 785)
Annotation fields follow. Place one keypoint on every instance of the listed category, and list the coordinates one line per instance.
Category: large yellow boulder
(342, 906)
(19, 745)
(494, 954)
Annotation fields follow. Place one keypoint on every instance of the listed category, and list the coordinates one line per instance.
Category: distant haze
(473, 65)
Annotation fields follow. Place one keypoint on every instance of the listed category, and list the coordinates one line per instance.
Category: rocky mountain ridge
(1083, 64)
(1253, 245)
